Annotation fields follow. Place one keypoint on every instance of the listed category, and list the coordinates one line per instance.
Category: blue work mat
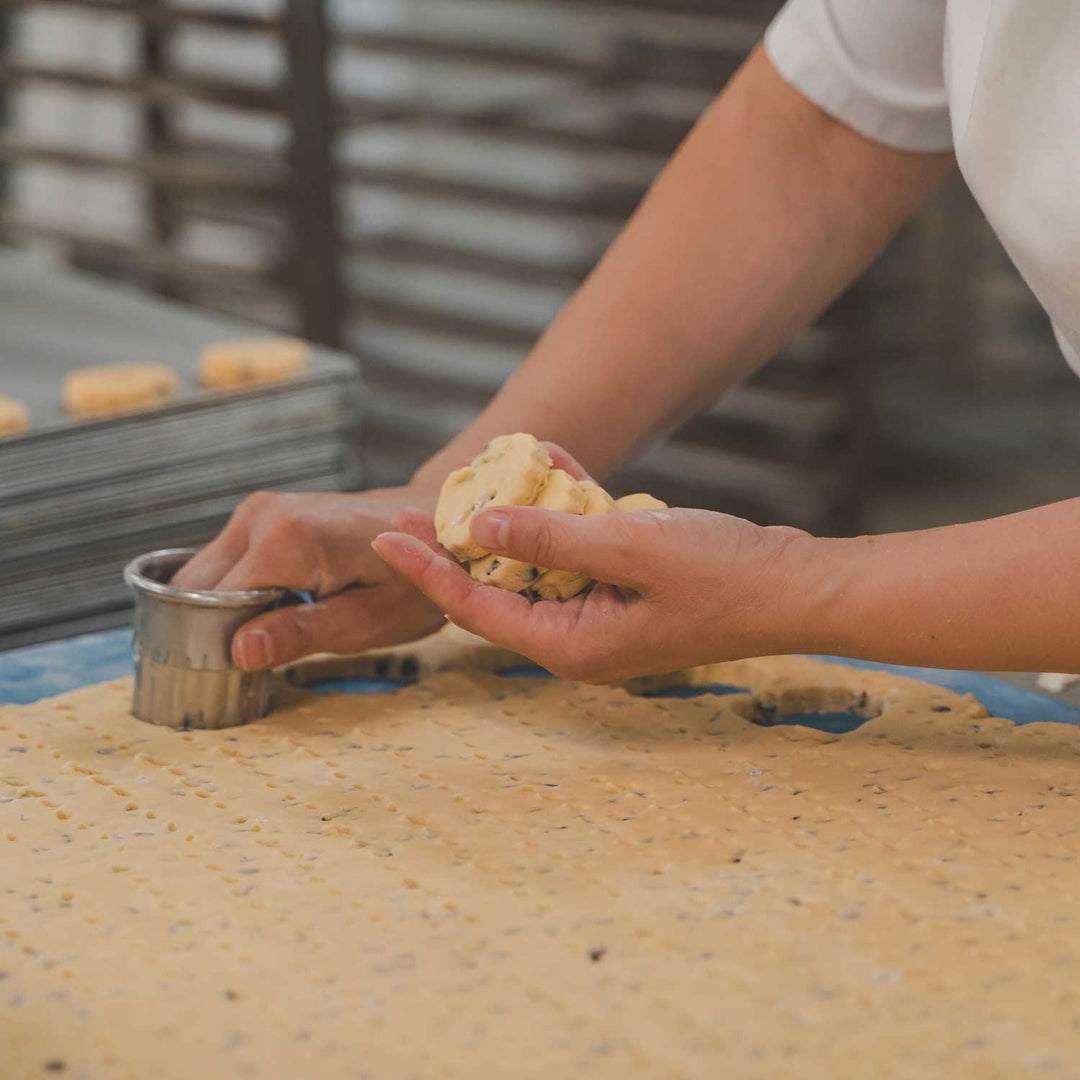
(41, 671)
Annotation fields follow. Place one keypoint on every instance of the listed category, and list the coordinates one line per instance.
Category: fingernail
(490, 529)
(253, 650)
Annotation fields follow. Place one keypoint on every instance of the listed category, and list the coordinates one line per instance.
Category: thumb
(608, 547)
(350, 622)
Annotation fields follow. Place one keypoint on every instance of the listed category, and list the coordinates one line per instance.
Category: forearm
(766, 213)
(1000, 594)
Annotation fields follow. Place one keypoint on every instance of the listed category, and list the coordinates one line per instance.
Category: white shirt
(998, 80)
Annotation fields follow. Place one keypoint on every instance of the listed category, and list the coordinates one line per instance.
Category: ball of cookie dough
(256, 362)
(639, 501)
(14, 417)
(561, 492)
(114, 389)
(510, 471)
(565, 584)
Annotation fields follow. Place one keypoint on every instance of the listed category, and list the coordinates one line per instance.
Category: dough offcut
(515, 470)
(511, 471)
(561, 492)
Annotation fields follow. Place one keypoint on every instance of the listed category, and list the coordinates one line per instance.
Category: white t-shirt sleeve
(877, 66)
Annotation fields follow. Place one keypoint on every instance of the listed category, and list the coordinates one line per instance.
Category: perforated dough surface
(480, 877)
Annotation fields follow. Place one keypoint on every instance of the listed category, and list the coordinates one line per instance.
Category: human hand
(678, 587)
(317, 544)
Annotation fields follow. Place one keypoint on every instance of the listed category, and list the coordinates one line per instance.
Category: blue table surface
(40, 671)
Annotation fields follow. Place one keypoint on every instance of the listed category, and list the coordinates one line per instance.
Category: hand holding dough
(561, 492)
(565, 584)
(511, 471)
(515, 470)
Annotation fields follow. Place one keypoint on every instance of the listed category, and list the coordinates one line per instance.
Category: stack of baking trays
(79, 498)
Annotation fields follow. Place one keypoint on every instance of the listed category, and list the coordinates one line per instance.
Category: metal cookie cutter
(184, 674)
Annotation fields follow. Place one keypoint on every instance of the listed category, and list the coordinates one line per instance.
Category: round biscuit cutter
(184, 674)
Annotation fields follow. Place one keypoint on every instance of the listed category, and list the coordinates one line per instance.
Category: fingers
(419, 524)
(583, 638)
(350, 622)
(500, 616)
(253, 571)
(207, 567)
(563, 459)
(608, 547)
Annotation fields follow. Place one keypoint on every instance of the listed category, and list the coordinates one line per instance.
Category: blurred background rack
(424, 182)
(78, 499)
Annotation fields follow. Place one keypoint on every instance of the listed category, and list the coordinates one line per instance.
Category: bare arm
(997, 594)
(694, 587)
(764, 215)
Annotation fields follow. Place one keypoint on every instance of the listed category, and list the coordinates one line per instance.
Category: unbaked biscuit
(561, 492)
(565, 584)
(114, 389)
(254, 362)
(639, 501)
(14, 417)
(510, 471)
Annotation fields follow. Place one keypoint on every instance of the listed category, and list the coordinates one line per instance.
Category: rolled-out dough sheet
(482, 877)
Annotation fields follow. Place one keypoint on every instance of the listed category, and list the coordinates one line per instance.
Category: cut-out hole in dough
(717, 689)
(639, 688)
(362, 685)
(833, 710)
(388, 673)
(836, 711)
(525, 671)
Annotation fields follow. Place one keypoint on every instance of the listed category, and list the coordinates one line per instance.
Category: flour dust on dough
(478, 876)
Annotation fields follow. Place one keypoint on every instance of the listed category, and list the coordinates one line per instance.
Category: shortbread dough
(561, 492)
(515, 470)
(639, 501)
(14, 417)
(254, 362)
(511, 471)
(115, 389)
(565, 584)
(488, 877)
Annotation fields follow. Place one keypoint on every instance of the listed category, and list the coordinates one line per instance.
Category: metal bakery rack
(78, 500)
